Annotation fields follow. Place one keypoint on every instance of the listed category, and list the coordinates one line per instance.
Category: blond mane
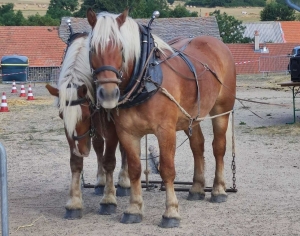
(75, 71)
(127, 37)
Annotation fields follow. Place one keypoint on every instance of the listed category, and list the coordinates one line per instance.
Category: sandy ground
(267, 159)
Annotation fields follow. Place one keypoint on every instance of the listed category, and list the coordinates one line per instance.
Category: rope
(164, 91)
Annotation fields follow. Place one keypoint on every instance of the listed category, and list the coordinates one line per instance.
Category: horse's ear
(82, 91)
(91, 17)
(53, 91)
(121, 18)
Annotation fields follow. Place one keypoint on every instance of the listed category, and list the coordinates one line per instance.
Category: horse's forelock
(127, 36)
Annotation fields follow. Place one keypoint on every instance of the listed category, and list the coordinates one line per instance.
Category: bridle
(119, 73)
(117, 80)
(92, 108)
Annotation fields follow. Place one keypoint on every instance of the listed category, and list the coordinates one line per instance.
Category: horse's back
(215, 69)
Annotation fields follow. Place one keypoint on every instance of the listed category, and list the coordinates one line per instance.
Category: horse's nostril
(117, 92)
(101, 93)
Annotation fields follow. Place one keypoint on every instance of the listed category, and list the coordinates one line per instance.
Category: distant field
(30, 7)
(252, 13)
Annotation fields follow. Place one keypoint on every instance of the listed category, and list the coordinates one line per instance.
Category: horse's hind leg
(220, 124)
(98, 144)
(196, 192)
(124, 181)
(74, 204)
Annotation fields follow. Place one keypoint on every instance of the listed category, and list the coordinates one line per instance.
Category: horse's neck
(127, 76)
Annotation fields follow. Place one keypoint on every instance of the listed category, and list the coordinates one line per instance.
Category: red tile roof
(250, 62)
(41, 44)
(291, 31)
(43, 47)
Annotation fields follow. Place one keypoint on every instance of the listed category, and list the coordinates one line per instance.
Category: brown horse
(199, 79)
(83, 122)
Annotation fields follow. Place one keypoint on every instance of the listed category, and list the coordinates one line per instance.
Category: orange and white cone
(4, 107)
(30, 94)
(23, 93)
(14, 88)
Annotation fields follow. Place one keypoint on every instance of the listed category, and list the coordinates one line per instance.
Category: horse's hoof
(122, 192)
(107, 209)
(99, 190)
(73, 214)
(218, 198)
(195, 196)
(131, 218)
(169, 222)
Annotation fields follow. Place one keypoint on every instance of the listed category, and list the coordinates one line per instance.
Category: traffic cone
(22, 94)
(30, 94)
(4, 107)
(14, 88)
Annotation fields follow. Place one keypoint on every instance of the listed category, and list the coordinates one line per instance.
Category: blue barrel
(15, 68)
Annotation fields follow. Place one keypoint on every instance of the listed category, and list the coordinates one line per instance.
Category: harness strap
(164, 91)
(138, 81)
(109, 68)
(76, 138)
(76, 102)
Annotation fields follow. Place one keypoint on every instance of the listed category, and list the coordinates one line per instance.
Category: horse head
(111, 54)
(79, 137)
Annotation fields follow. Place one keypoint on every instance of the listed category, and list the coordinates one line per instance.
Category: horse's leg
(124, 181)
(74, 204)
(132, 147)
(196, 192)
(220, 124)
(167, 141)
(98, 144)
(108, 203)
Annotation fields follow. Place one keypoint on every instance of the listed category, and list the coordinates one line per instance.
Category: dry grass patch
(36, 101)
(282, 130)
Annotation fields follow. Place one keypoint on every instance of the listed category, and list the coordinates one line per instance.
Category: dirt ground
(267, 178)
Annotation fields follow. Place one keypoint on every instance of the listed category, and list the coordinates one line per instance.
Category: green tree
(231, 29)
(9, 18)
(60, 8)
(149, 6)
(181, 11)
(116, 6)
(39, 20)
(277, 12)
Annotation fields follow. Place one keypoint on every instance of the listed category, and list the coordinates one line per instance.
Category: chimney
(256, 41)
(265, 49)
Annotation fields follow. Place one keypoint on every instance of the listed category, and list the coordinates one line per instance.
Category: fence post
(4, 194)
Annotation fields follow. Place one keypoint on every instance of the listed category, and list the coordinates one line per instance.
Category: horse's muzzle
(108, 98)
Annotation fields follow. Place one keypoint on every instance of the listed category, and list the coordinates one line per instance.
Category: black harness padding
(152, 75)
